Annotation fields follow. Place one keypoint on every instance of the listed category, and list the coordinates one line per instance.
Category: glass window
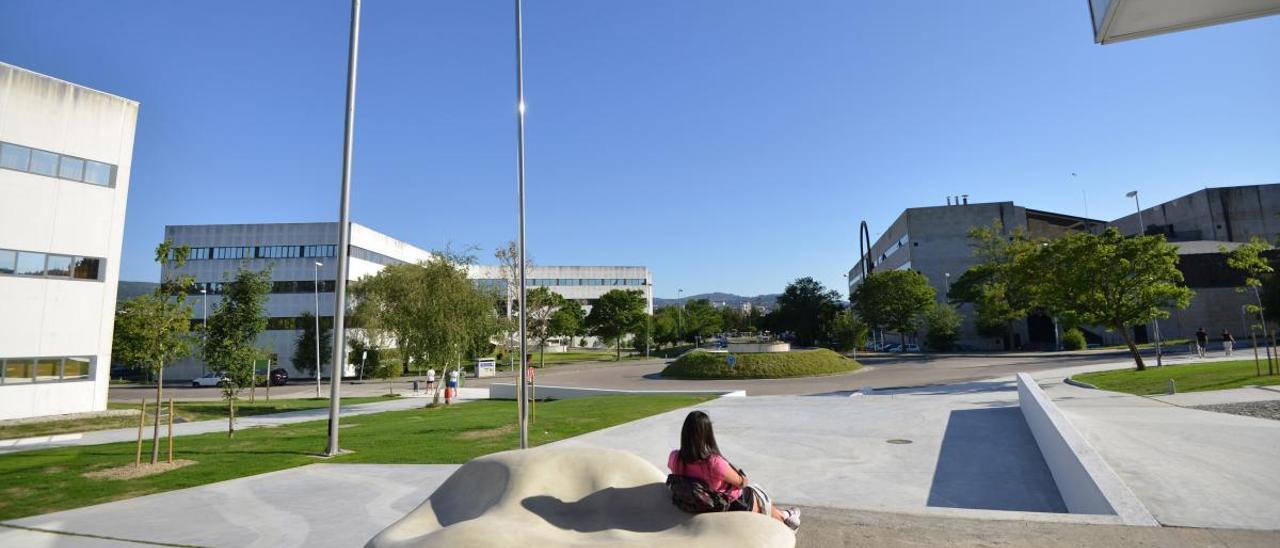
(44, 163)
(14, 156)
(8, 261)
(17, 371)
(86, 268)
(47, 369)
(71, 168)
(58, 265)
(30, 264)
(75, 368)
(97, 173)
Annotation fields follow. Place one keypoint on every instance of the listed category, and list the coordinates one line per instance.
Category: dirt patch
(488, 433)
(15, 492)
(129, 471)
(54, 469)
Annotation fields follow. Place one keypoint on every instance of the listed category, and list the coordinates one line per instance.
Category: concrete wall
(1222, 213)
(43, 317)
(1086, 483)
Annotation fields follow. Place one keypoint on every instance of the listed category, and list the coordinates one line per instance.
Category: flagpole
(522, 403)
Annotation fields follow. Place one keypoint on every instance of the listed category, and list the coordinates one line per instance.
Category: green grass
(1167, 343)
(44, 481)
(760, 365)
(579, 356)
(1195, 377)
(183, 412)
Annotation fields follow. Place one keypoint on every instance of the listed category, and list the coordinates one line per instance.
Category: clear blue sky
(728, 145)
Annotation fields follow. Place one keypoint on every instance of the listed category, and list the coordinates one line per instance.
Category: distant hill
(129, 290)
(728, 299)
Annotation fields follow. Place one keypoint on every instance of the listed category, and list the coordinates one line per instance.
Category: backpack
(693, 496)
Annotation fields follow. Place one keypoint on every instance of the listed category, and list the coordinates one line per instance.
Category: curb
(1085, 481)
(1074, 382)
(506, 391)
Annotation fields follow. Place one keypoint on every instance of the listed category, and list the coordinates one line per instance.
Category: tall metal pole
(1142, 229)
(204, 323)
(317, 333)
(523, 404)
(344, 238)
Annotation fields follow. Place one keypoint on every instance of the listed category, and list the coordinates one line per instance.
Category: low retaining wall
(507, 391)
(773, 346)
(1086, 483)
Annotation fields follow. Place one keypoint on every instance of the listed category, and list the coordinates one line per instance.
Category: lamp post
(344, 236)
(680, 314)
(317, 333)
(947, 277)
(1142, 229)
(523, 403)
(204, 324)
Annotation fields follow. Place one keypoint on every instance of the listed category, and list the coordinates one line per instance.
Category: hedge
(759, 365)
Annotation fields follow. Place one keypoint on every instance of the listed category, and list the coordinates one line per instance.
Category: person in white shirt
(431, 379)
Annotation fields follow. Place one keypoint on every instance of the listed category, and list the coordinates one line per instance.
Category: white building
(65, 156)
(291, 250)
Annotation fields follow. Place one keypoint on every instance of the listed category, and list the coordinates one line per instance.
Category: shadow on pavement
(624, 508)
(990, 461)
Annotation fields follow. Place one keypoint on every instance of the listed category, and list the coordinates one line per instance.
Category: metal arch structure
(864, 254)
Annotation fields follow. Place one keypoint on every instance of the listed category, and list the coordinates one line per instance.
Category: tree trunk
(542, 353)
(617, 344)
(1133, 349)
(231, 418)
(155, 432)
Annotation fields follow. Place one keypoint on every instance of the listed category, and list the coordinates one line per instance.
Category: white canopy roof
(1117, 20)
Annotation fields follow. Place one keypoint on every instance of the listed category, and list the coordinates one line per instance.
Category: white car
(210, 379)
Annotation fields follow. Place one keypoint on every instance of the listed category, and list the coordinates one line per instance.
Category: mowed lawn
(39, 482)
(1193, 377)
(183, 412)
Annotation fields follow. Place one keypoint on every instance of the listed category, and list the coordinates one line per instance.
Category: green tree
(848, 331)
(665, 326)
(304, 348)
(1249, 260)
(1109, 280)
(806, 309)
(230, 346)
(569, 321)
(543, 304)
(616, 314)
(942, 326)
(642, 334)
(894, 300)
(701, 319)
(734, 320)
(997, 286)
(153, 331)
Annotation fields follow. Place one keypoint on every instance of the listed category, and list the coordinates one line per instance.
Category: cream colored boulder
(569, 497)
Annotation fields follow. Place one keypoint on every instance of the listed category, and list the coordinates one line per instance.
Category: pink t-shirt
(711, 471)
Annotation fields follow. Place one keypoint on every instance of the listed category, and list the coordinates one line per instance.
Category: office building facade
(65, 158)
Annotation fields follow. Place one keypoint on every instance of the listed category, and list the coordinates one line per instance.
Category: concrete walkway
(1218, 397)
(220, 425)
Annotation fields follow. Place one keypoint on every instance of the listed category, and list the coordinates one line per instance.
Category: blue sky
(727, 145)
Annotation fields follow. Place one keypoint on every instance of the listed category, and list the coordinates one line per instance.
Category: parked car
(279, 376)
(891, 347)
(911, 348)
(209, 379)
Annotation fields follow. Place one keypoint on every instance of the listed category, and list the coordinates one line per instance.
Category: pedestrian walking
(1202, 341)
(1228, 342)
(431, 380)
(451, 387)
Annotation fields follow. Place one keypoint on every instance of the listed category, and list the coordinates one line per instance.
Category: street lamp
(523, 403)
(680, 314)
(204, 323)
(947, 277)
(316, 287)
(1142, 229)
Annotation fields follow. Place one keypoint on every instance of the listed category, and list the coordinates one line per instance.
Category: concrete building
(291, 250)
(65, 157)
(935, 242)
(585, 284)
(1225, 214)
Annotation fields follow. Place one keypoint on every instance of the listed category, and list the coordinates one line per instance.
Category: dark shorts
(745, 502)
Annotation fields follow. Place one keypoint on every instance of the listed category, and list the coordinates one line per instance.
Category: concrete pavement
(220, 425)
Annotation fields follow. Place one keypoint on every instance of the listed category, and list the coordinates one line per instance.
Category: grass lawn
(1167, 343)
(183, 412)
(578, 356)
(44, 481)
(1192, 377)
(760, 365)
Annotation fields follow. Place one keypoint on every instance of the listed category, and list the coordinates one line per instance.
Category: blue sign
(733, 360)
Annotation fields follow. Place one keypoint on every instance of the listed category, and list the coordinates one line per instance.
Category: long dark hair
(697, 441)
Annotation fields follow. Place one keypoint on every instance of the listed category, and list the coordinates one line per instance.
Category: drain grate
(897, 441)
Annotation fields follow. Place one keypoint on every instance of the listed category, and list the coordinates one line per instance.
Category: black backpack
(693, 496)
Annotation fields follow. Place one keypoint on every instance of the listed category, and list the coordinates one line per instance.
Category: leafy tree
(543, 304)
(942, 326)
(734, 320)
(230, 346)
(665, 326)
(304, 348)
(1073, 339)
(997, 286)
(848, 331)
(153, 331)
(508, 257)
(616, 314)
(1107, 279)
(894, 300)
(701, 319)
(806, 309)
(1249, 260)
(569, 320)
(642, 334)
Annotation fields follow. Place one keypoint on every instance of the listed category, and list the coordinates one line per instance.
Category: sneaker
(791, 517)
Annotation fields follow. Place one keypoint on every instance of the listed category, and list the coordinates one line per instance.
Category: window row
(15, 371)
(548, 282)
(52, 164)
(373, 257)
(285, 286)
(261, 252)
(49, 265)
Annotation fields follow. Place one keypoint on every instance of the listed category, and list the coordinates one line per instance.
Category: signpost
(486, 367)
(731, 360)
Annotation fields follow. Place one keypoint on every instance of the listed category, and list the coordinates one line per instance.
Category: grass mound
(1191, 377)
(759, 365)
